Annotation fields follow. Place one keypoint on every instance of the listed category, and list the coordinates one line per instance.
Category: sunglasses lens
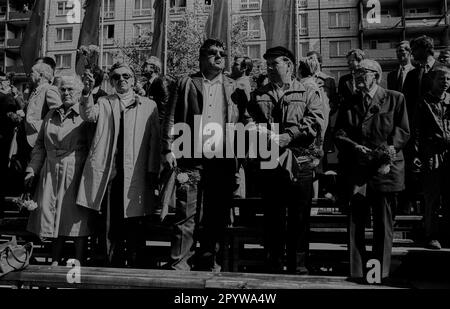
(124, 76)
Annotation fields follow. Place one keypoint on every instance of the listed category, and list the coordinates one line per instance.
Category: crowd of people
(96, 163)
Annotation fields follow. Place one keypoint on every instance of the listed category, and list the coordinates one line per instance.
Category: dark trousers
(383, 209)
(280, 195)
(125, 234)
(209, 203)
(188, 200)
(436, 187)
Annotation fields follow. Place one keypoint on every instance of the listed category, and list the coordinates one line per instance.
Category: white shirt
(406, 69)
(213, 118)
(429, 64)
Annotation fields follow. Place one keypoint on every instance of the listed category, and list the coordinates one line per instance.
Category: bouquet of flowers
(378, 161)
(186, 176)
(90, 54)
(26, 202)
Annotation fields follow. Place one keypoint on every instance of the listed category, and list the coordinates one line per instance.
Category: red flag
(89, 32)
(31, 47)
(217, 24)
(279, 22)
(159, 29)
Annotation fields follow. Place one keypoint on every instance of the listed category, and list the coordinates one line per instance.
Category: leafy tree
(184, 40)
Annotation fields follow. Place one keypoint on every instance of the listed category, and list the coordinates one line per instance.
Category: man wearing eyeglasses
(372, 118)
(205, 99)
(124, 160)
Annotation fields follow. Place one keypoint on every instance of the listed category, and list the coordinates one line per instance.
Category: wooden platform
(56, 277)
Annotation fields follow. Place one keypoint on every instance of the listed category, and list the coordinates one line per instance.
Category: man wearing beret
(373, 119)
(297, 110)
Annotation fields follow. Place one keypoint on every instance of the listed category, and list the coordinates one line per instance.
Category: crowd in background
(99, 163)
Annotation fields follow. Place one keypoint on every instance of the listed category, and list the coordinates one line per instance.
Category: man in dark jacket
(297, 110)
(347, 87)
(157, 86)
(432, 140)
(372, 118)
(396, 78)
(200, 100)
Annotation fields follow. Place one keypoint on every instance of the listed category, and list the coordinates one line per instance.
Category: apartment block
(331, 27)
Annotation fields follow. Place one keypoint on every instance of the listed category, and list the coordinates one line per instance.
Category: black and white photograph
(225, 151)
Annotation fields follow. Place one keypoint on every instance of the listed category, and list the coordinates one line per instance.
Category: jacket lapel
(115, 106)
(378, 99)
(228, 86)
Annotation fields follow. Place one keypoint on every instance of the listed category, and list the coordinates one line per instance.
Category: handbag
(14, 257)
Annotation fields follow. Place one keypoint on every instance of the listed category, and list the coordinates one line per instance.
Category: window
(304, 48)
(107, 61)
(339, 20)
(253, 24)
(303, 3)
(63, 61)
(339, 48)
(142, 31)
(64, 7)
(254, 51)
(108, 10)
(108, 34)
(250, 4)
(142, 7)
(177, 6)
(303, 22)
(64, 34)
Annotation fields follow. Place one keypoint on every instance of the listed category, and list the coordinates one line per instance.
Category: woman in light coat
(58, 160)
(124, 156)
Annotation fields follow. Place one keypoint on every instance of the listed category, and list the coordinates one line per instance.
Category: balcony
(432, 21)
(252, 34)
(19, 15)
(17, 69)
(12, 43)
(251, 6)
(303, 31)
(177, 10)
(108, 15)
(142, 12)
(207, 9)
(303, 4)
(387, 22)
(381, 54)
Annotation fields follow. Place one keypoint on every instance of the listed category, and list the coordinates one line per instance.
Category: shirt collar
(73, 109)
(372, 91)
(430, 63)
(407, 67)
(217, 79)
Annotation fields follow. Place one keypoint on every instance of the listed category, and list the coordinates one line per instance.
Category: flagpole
(229, 29)
(166, 23)
(44, 32)
(102, 20)
(297, 33)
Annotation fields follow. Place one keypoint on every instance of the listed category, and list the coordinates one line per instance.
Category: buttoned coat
(299, 113)
(141, 152)
(44, 98)
(187, 103)
(384, 122)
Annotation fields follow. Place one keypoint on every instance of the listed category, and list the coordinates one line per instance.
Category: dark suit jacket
(187, 102)
(414, 89)
(392, 80)
(345, 88)
(384, 123)
(159, 92)
(328, 84)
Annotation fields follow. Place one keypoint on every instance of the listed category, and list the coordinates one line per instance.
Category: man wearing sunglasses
(200, 100)
(372, 118)
(124, 158)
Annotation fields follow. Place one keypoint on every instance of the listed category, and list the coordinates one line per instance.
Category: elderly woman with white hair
(124, 156)
(372, 130)
(57, 160)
